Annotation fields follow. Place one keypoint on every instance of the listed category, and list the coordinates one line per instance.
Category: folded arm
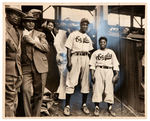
(39, 42)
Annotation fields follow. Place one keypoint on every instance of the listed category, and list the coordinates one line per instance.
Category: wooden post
(57, 13)
(131, 18)
(101, 20)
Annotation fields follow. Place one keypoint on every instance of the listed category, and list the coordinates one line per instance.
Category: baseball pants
(80, 64)
(103, 84)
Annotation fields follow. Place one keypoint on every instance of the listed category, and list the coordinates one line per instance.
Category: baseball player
(104, 68)
(78, 46)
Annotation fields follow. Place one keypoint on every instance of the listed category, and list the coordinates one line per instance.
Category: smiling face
(50, 26)
(102, 44)
(83, 27)
(29, 25)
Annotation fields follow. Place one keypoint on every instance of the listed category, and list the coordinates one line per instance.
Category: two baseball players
(104, 69)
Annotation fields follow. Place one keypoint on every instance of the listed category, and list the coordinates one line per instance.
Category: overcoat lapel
(14, 37)
(33, 36)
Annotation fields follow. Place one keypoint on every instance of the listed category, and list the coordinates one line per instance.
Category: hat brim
(15, 10)
(29, 19)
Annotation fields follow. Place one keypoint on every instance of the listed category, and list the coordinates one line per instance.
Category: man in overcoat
(34, 66)
(13, 72)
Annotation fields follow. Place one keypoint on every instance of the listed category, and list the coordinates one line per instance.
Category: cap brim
(29, 19)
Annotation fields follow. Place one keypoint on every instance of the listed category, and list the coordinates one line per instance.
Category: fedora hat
(29, 17)
(9, 9)
(35, 11)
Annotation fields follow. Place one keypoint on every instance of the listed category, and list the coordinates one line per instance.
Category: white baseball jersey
(79, 42)
(105, 57)
(103, 77)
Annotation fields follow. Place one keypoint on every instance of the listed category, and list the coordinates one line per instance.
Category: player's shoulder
(72, 35)
(96, 52)
(75, 32)
(108, 49)
(87, 35)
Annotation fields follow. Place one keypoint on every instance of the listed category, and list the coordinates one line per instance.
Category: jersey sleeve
(69, 41)
(115, 62)
(93, 61)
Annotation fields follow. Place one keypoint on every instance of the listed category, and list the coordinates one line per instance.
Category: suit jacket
(13, 50)
(39, 50)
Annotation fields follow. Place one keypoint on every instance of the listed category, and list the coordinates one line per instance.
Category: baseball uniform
(103, 62)
(80, 44)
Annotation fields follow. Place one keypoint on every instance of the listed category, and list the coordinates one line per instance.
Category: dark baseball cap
(84, 20)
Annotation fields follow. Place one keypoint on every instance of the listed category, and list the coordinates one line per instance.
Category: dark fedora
(29, 17)
(9, 9)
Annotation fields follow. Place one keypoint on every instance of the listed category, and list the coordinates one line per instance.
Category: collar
(28, 30)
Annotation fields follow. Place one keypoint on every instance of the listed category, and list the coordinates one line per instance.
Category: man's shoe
(85, 109)
(111, 112)
(67, 110)
(96, 111)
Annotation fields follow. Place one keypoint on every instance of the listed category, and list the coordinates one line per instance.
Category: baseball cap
(84, 20)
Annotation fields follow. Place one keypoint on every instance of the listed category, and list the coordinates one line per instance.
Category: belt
(80, 53)
(105, 67)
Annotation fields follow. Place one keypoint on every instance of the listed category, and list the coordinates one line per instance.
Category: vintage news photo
(74, 60)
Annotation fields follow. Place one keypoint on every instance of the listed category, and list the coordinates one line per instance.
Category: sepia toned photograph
(74, 60)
